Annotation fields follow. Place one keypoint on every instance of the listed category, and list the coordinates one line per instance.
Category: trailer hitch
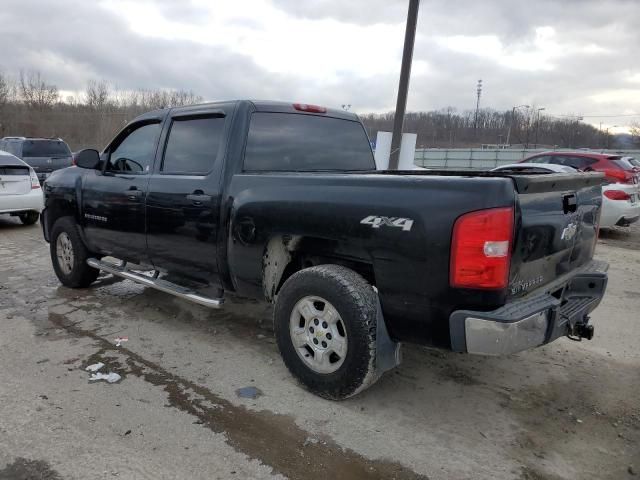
(581, 330)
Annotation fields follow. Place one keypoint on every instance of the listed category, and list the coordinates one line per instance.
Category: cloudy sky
(570, 56)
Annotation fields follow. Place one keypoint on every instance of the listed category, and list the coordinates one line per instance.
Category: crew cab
(281, 202)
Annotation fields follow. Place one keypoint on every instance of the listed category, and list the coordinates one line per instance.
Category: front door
(113, 201)
(183, 203)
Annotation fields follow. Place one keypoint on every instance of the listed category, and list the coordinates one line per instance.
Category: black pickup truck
(282, 202)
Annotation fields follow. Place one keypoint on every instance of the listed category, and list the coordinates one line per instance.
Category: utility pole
(403, 86)
(538, 125)
(513, 116)
(478, 93)
(609, 138)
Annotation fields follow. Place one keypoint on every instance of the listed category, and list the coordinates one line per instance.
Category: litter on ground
(95, 367)
(108, 377)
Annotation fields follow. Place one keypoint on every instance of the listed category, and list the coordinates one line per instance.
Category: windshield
(45, 148)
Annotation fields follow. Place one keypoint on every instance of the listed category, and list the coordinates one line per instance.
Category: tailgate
(557, 227)
(14, 180)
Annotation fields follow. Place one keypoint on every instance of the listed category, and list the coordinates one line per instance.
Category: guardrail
(475, 158)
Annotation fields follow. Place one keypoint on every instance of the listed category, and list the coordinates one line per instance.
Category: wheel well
(286, 255)
(58, 210)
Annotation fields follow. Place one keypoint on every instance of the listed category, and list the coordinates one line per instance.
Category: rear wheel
(69, 255)
(325, 323)
(29, 218)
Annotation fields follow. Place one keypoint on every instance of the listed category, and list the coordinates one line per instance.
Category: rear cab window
(45, 148)
(304, 143)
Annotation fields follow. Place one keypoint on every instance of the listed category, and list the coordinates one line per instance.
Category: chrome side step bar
(121, 270)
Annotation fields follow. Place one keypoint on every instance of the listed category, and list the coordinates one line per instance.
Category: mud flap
(388, 352)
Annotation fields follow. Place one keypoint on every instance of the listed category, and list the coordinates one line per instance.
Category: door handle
(133, 194)
(198, 198)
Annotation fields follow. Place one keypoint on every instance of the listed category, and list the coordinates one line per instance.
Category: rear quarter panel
(411, 267)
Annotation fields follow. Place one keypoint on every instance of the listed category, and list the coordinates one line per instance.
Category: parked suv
(44, 155)
(618, 169)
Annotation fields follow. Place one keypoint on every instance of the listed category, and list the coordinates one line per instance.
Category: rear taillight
(619, 176)
(303, 107)
(481, 249)
(616, 195)
(35, 183)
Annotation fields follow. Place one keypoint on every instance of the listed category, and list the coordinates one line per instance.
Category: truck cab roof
(257, 105)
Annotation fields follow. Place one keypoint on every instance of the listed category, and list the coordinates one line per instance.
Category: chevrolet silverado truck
(281, 202)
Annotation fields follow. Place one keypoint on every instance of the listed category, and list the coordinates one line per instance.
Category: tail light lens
(35, 183)
(481, 249)
(616, 195)
(619, 176)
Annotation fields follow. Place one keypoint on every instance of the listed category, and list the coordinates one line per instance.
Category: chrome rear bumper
(533, 320)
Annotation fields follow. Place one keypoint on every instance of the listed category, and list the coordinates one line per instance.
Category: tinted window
(135, 152)
(14, 171)
(193, 145)
(295, 142)
(577, 162)
(45, 148)
(543, 159)
(12, 147)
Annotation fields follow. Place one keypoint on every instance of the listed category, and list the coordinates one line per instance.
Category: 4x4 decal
(377, 222)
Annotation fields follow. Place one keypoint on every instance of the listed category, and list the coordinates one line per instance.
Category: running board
(121, 270)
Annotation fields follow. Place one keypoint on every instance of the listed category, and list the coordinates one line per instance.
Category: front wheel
(69, 255)
(29, 218)
(325, 324)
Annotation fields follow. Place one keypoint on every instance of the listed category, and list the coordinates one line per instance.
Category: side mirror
(88, 158)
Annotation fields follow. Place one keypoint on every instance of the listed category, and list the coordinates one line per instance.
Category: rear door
(46, 155)
(557, 229)
(113, 201)
(183, 201)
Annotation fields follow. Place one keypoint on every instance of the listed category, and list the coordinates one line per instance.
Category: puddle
(273, 439)
(24, 469)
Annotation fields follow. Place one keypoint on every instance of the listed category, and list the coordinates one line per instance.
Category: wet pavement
(204, 394)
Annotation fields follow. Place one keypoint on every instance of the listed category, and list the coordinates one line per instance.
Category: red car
(617, 168)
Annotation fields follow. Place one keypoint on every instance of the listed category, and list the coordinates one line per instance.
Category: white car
(20, 192)
(535, 167)
(620, 205)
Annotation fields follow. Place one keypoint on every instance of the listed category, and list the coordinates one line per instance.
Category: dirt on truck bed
(204, 394)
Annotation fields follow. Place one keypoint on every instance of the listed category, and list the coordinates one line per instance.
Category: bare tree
(97, 95)
(35, 92)
(5, 89)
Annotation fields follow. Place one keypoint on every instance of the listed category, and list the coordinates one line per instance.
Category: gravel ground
(565, 411)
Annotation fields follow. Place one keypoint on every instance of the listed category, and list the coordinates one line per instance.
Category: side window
(576, 162)
(13, 148)
(193, 145)
(556, 159)
(134, 154)
(542, 159)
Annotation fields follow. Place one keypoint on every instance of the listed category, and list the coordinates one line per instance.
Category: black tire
(29, 218)
(80, 275)
(356, 303)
